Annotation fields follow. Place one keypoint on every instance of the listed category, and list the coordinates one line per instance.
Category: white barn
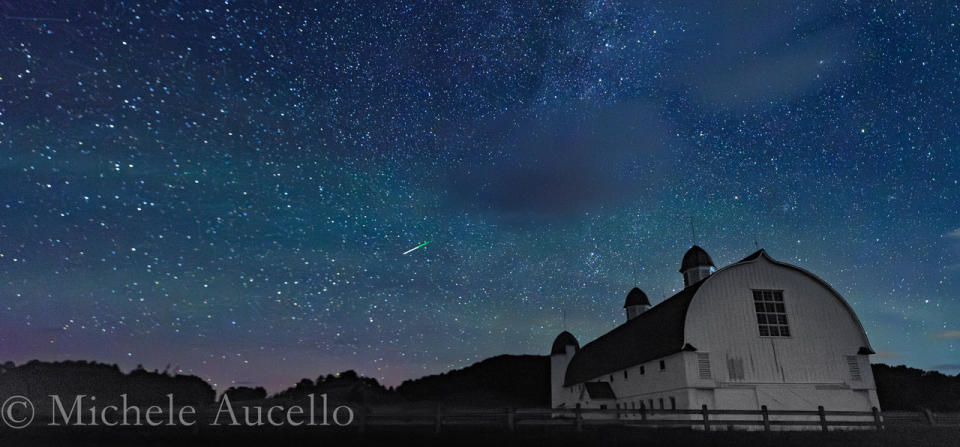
(757, 332)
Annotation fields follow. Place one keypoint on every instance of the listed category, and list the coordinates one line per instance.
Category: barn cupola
(695, 266)
(636, 304)
(561, 343)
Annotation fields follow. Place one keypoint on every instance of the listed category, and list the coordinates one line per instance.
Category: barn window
(624, 374)
(663, 365)
(661, 404)
(641, 370)
(703, 365)
(673, 403)
(771, 313)
(854, 367)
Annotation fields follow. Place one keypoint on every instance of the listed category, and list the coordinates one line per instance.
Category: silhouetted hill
(504, 380)
(905, 388)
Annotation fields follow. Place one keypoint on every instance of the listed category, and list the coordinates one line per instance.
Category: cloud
(954, 234)
(948, 367)
(947, 334)
(767, 60)
(567, 163)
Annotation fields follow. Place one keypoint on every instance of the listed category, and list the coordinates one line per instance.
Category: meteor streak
(418, 246)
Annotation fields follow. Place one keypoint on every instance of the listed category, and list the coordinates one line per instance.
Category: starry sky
(227, 188)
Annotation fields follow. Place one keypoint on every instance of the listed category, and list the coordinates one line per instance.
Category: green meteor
(418, 246)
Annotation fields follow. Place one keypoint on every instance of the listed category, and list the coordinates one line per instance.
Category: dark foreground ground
(612, 436)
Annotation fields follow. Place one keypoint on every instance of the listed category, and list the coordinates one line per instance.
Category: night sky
(227, 188)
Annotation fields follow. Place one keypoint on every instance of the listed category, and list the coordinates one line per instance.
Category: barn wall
(721, 322)
(651, 386)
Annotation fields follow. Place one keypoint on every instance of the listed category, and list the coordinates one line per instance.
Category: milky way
(228, 190)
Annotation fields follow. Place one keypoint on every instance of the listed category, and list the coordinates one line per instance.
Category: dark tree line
(346, 386)
(37, 380)
(244, 393)
(905, 388)
(505, 380)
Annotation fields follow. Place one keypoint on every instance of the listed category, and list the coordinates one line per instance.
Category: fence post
(766, 418)
(929, 415)
(706, 417)
(579, 419)
(438, 419)
(823, 418)
(876, 418)
(510, 419)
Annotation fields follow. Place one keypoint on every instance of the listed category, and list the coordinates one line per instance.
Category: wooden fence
(440, 418)
(704, 418)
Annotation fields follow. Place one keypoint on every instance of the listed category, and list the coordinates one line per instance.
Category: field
(593, 436)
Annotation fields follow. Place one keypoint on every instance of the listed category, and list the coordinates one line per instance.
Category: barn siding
(654, 383)
(721, 321)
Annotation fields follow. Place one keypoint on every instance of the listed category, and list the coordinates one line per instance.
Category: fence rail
(704, 418)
